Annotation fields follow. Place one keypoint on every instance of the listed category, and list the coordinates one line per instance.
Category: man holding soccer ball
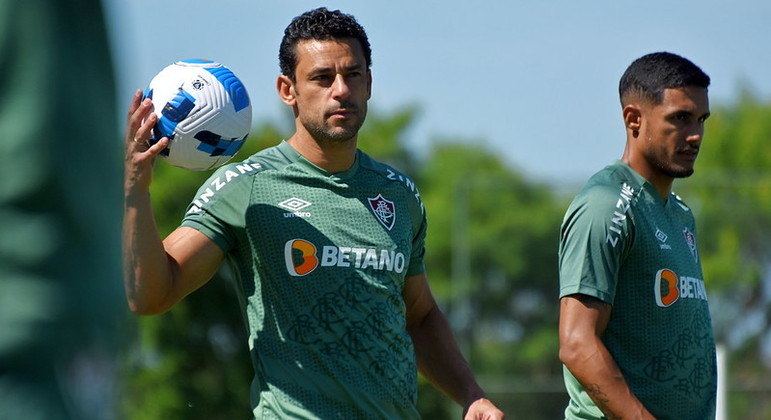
(327, 245)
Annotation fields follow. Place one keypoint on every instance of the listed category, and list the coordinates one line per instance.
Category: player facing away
(635, 331)
(327, 244)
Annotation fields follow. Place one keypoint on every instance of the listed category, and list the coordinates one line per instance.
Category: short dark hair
(651, 74)
(319, 24)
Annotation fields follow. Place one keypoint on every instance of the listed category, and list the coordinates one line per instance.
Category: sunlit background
(500, 110)
(536, 81)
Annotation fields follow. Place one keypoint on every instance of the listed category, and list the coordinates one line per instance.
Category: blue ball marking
(215, 145)
(197, 61)
(233, 86)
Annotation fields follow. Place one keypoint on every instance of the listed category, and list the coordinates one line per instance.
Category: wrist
(133, 192)
(473, 395)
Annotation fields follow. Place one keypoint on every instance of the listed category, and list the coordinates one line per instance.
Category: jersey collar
(643, 184)
(296, 158)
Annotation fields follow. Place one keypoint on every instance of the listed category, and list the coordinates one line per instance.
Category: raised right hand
(139, 154)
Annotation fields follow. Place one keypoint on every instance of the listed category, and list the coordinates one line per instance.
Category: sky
(534, 81)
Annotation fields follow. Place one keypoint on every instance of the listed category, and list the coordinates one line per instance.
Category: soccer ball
(203, 109)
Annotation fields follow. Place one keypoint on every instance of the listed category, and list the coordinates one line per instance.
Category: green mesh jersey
(321, 260)
(623, 244)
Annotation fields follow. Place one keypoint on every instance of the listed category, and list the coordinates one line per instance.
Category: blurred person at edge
(60, 212)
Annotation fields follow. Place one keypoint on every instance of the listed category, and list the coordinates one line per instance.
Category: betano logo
(301, 258)
(668, 288)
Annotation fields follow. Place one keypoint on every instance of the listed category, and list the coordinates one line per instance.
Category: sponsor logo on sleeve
(618, 217)
(393, 176)
(219, 183)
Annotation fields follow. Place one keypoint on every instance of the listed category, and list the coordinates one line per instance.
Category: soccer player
(635, 331)
(327, 244)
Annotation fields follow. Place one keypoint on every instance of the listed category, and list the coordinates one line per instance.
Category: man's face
(671, 132)
(332, 86)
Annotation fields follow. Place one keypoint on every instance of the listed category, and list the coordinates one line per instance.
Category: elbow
(142, 301)
(138, 308)
(567, 355)
(574, 348)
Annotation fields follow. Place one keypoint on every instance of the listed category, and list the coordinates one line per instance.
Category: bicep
(582, 316)
(194, 258)
(418, 299)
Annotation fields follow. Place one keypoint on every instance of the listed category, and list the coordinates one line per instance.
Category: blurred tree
(491, 256)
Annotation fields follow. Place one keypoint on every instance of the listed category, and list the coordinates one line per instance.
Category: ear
(632, 118)
(286, 90)
(369, 84)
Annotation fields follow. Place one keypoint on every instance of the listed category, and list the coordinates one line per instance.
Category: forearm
(440, 360)
(596, 370)
(147, 269)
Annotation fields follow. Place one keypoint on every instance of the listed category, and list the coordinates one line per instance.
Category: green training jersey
(321, 260)
(622, 243)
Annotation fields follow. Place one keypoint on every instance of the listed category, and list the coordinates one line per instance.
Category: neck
(662, 183)
(330, 156)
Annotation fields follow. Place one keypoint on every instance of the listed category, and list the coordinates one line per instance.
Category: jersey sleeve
(596, 232)
(419, 224)
(219, 207)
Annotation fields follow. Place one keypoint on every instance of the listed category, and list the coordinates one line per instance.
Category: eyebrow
(687, 112)
(320, 70)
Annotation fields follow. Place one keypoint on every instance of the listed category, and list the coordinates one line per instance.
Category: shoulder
(385, 171)
(607, 191)
(232, 181)
(236, 173)
(392, 176)
(680, 204)
(242, 172)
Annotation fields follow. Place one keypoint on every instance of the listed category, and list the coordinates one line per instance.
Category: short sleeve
(419, 226)
(218, 209)
(418, 249)
(596, 232)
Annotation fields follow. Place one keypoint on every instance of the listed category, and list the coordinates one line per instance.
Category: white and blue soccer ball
(204, 110)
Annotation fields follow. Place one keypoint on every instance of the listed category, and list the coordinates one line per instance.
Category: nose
(340, 89)
(696, 134)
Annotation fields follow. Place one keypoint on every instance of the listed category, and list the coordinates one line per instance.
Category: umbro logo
(294, 205)
(662, 237)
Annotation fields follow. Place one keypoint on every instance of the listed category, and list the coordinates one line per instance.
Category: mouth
(342, 113)
(688, 153)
